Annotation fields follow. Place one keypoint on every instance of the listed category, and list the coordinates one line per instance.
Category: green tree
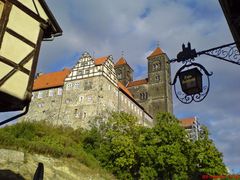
(162, 149)
(206, 157)
(116, 144)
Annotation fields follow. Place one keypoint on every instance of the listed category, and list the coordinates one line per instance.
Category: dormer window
(50, 92)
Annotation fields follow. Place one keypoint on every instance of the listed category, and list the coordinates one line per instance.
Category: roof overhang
(231, 10)
(53, 29)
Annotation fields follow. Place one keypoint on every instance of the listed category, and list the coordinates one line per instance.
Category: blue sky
(108, 27)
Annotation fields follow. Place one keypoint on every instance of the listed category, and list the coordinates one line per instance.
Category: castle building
(154, 93)
(95, 87)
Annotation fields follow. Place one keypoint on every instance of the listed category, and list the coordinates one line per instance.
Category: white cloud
(109, 27)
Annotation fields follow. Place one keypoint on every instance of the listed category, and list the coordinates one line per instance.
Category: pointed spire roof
(121, 61)
(156, 52)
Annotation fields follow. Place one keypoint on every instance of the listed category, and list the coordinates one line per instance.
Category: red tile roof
(50, 80)
(138, 82)
(124, 89)
(121, 61)
(101, 60)
(156, 52)
(186, 122)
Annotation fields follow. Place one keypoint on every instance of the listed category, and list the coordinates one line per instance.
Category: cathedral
(94, 87)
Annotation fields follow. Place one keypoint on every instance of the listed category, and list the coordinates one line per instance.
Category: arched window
(144, 96)
(157, 77)
(119, 74)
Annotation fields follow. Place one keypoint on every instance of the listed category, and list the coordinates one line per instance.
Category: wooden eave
(55, 29)
(231, 10)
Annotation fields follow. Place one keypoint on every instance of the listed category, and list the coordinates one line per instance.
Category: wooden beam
(20, 37)
(20, 65)
(4, 20)
(28, 11)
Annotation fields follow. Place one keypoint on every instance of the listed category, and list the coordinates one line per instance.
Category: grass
(43, 138)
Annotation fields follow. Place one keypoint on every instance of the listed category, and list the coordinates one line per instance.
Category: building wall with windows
(75, 97)
(192, 126)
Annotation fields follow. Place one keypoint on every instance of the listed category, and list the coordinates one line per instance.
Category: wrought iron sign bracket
(228, 52)
(194, 82)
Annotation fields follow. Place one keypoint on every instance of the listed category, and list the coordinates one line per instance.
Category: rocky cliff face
(17, 165)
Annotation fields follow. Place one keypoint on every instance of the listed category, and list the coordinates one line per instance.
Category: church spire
(156, 52)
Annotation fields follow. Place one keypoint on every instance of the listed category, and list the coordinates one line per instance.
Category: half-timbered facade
(23, 25)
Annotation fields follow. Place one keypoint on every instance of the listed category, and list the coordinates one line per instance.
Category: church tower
(159, 78)
(124, 71)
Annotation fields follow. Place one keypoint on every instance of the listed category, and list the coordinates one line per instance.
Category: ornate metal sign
(193, 83)
(193, 78)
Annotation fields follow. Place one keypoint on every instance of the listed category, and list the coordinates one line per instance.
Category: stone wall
(16, 165)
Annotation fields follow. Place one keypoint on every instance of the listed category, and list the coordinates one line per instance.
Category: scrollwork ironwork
(227, 53)
(187, 99)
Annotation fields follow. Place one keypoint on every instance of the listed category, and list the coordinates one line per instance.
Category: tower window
(156, 66)
(144, 96)
(157, 77)
(119, 74)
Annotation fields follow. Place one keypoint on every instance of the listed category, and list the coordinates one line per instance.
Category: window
(143, 96)
(69, 86)
(76, 114)
(40, 105)
(40, 94)
(67, 101)
(50, 92)
(84, 63)
(87, 85)
(156, 66)
(81, 98)
(80, 72)
(109, 87)
(86, 71)
(157, 77)
(77, 85)
(119, 74)
(60, 91)
(90, 99)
